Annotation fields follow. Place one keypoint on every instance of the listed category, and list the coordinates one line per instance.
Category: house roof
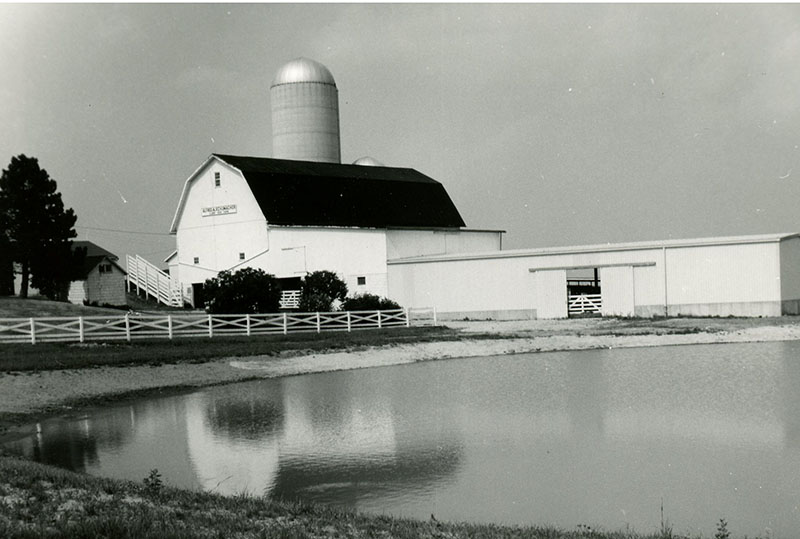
(306, 193)
(92, 249)
(94, 256)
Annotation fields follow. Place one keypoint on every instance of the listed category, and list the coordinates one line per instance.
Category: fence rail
(584, 303)
(153, 282)
(142, 326)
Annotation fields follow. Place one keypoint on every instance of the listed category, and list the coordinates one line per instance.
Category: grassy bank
(51, 356)
(42, 501)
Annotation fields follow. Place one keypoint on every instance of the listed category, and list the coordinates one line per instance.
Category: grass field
(50, 356)
(12, 307)
(39, 501)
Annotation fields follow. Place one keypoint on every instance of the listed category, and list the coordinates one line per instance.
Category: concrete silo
(305, 113)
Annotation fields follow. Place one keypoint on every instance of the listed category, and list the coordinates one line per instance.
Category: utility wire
(125, 231)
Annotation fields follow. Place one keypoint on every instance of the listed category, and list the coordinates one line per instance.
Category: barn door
(551, 293)
(617, 291)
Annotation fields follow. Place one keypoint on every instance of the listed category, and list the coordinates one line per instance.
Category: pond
(600, 438)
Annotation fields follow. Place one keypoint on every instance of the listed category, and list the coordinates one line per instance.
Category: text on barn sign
(219, 210)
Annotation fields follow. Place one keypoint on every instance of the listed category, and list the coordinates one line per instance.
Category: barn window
(217, 180)
(241, 256)
(197, 260)
(105, 268)
(362, 281)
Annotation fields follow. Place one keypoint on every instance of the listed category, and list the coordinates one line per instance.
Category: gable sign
(219, 210)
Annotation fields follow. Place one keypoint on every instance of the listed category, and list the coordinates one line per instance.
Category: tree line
(36, 232)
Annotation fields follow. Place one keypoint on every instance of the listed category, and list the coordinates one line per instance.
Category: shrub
(369, 302)
(320, 290)
(722, 530)
(153, 483)
(248, 290)
(312, 303)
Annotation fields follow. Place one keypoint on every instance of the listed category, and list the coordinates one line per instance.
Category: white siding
(726, 278)
(723, 274)
(106, 288)
(790, 269)
(550, 300)
(617, 288)
(477, 288)
(402, 243)
(648, 287)
(217, 240)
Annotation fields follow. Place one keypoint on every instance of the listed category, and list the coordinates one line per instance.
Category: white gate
(584, 303)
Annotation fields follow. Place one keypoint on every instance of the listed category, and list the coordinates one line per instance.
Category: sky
(562, 124)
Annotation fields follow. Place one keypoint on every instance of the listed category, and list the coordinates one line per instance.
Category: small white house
(102, 280)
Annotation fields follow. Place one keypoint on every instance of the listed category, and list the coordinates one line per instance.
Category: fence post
(80, 328)
(33, 331)
(146, 284)
(169, 325)
(318, 328)
(285, 324)
(127, 327)
(408, 318)
(348, 321)
(247, 321)
(210, 327)
(379, 320)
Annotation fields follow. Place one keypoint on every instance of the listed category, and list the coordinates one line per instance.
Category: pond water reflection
(597, 437)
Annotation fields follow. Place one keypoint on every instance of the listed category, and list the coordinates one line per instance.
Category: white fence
(136, 326)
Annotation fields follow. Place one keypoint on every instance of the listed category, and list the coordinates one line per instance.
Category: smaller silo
(305, 113)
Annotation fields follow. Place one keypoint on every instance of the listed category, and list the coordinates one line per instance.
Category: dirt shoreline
(30, 395)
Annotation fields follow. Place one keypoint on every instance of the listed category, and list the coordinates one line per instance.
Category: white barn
(291, 217)
(733, 276)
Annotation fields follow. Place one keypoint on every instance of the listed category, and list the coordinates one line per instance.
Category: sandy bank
(55, 391)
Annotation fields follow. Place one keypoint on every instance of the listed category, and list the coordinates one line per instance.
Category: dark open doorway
(583, 292)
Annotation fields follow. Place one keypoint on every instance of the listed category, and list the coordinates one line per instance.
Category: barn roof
(331, 194)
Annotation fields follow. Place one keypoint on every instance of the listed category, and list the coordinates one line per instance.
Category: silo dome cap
(303, 70)
(367, 161)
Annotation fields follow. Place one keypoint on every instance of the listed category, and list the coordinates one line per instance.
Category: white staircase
(153, 282)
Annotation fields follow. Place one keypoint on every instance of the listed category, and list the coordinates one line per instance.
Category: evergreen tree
(6, 264)
(36, 226)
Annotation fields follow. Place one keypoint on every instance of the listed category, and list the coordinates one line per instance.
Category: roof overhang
(601, 248)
